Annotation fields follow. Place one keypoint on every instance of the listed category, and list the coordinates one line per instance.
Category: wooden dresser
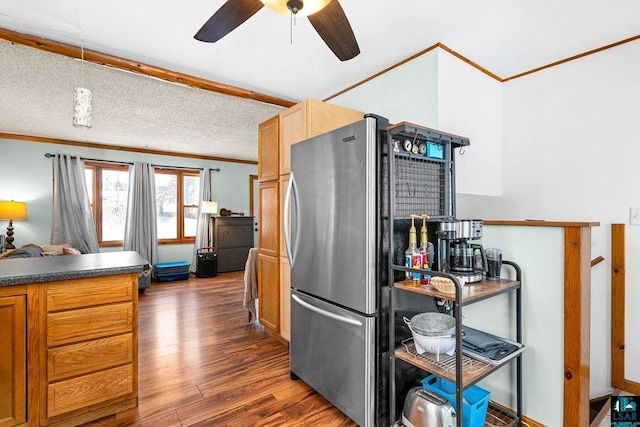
(232, 238)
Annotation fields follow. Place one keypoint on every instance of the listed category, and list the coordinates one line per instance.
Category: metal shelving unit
(461, 368)
(419, 184)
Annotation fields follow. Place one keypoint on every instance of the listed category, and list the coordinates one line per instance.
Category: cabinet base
(82, 416)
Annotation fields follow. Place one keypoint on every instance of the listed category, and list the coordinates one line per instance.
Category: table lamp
(10, 210)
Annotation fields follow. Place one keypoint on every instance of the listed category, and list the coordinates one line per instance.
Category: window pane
(115, 185)
(190, 221)
(191, 190)
(166, 201)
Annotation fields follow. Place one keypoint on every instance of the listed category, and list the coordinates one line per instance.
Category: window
(108, 186)
(177, 191)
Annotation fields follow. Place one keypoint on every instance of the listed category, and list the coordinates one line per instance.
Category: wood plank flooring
(201, 363)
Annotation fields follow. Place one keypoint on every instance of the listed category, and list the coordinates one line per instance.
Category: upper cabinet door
(268, 136)
(307, 119)
(293, 123)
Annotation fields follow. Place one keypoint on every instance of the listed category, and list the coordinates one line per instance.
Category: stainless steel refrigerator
(335, 238)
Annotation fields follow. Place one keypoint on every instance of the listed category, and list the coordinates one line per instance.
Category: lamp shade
(310, 6)
(16, 211)
(209, 207)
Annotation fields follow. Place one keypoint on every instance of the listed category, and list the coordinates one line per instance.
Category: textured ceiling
(128, 109)
(505, 37)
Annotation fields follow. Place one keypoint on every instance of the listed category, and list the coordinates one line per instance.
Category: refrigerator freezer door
(334, 352)
(333, 216)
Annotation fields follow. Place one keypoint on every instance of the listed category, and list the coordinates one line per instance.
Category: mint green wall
(27, 176)
(406, 93)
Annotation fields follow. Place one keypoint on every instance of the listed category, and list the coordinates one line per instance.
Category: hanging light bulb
(82, 101)
(297, 7)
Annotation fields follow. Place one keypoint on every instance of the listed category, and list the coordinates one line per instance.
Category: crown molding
(482, 69)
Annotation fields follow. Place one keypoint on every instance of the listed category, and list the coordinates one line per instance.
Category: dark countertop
(19, 271)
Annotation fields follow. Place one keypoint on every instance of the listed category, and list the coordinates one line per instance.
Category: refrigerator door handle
(325, 313)
(291, 187)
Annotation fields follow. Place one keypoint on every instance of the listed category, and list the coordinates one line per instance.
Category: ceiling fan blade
(227, 18)
(333, 27)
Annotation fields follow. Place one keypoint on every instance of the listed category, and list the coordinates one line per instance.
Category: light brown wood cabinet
(307, 119)
(269, 292)
(269, 230)
(268, 150)
(69, 344)
(13, 360)
(285, 298)
(90, 354)
(275, 137)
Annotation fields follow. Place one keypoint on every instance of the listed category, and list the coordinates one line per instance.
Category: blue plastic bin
(169, 271)
(474, 410)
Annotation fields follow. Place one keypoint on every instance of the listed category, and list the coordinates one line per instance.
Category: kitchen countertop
(19, 271)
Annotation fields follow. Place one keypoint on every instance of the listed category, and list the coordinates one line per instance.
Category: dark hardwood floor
(201, 363)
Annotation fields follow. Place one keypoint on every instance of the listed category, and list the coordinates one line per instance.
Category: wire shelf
(499, 418)
(445, 362)
(421, 186)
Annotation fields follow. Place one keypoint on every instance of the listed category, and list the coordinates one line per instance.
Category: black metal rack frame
(446, 193)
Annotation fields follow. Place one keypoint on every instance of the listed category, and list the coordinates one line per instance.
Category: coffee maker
(455, 251)
(442, 232)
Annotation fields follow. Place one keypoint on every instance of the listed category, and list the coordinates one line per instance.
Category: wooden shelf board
(470, 291)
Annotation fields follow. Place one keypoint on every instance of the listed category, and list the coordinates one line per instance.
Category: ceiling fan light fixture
(297, 7)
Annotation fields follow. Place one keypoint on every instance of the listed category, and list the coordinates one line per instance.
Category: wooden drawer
(79, 359)
(234, 237)
(239, 221)
(76, 293)
(77, 393)
(232, 259)
(78, 325)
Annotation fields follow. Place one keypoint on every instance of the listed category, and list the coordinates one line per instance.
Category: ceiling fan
(326, 16)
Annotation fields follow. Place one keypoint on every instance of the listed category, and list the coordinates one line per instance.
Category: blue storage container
(476, 399)
(169, 271)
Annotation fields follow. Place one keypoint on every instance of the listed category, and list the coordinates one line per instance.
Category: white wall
(27, 176)
(470, 104)
(439, 91)
(570, 152)
(543, 319)
(567, 150)
(407, 93)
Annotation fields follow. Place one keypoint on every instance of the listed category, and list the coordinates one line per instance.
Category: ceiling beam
(47, 140)
(136, 67)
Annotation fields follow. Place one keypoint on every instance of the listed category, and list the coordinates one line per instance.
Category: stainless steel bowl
(433, 324)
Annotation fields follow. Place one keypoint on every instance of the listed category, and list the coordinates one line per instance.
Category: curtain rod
(48, 155)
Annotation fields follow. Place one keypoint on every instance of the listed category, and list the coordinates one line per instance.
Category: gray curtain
(140, 232)
(72, 216)
(204, 220)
